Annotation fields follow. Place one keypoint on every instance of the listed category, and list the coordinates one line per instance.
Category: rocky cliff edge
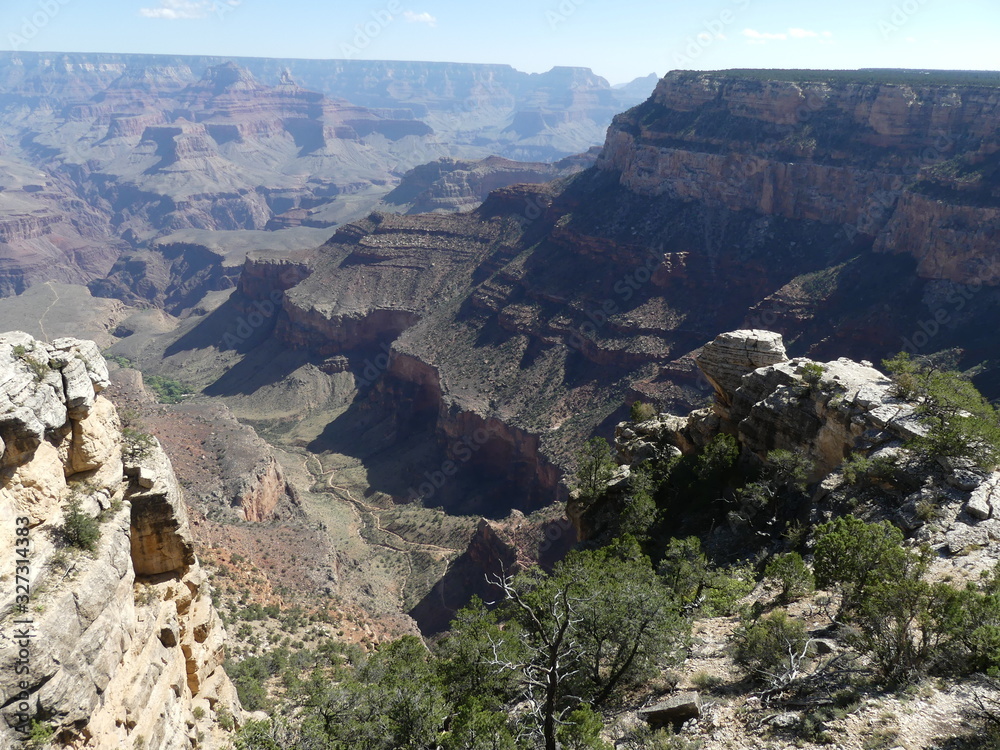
(114, 643)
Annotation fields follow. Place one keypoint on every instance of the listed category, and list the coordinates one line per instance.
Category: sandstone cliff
(912, 166)
(119, 642)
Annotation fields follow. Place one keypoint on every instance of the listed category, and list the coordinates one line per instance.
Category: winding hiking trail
(41, 319)
(364, 508)
(370, 524)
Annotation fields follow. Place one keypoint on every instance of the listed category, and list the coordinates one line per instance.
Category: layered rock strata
(121, 642)
(912, 166)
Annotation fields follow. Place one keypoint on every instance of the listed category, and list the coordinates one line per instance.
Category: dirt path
(364, 508)
(370, 526)
(41, 319)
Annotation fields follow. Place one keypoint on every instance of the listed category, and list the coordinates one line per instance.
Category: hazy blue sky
(619, 40)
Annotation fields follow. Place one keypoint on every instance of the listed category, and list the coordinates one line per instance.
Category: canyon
(407, 391)
(102, 155)
(490, 344)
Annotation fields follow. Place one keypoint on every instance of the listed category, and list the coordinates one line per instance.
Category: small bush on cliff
(772, 650)
(859, 469)
(641, 412)
(40, 734)
(783, 476)
(80, 529)
(582, 730)
(697, 586)
(791, 573)
(38, 369)
(135, 444)
(854, 555)
(960, 421)
(812, 372)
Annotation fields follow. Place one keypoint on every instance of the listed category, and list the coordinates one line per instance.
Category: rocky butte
(115, 644)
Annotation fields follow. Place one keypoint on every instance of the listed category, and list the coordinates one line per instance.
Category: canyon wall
(110, 640)
(828, 210)
(912, 166)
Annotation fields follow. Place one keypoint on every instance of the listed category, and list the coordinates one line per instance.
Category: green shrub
(225, 719)
(854, 555)
(791, 573)
(705, 682)
(726, 588)
(594, 468)
(118, 359)
(80, 529)
(812, 372)
(167, 390)
(696, 585)
(40, 734)
(136, 445)
(641, 412)
(771, 650)
(959, 420)
(639, 515)
(857, 468)
(906, 624)
(582, 730)
(905, 374)
(38, 369)
(474, 727)
(908, 627)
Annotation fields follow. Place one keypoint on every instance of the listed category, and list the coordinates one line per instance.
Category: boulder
(732, 355)
(981, 502)
(673, 711)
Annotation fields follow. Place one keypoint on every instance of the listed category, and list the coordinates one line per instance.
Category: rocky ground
(826, 412)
